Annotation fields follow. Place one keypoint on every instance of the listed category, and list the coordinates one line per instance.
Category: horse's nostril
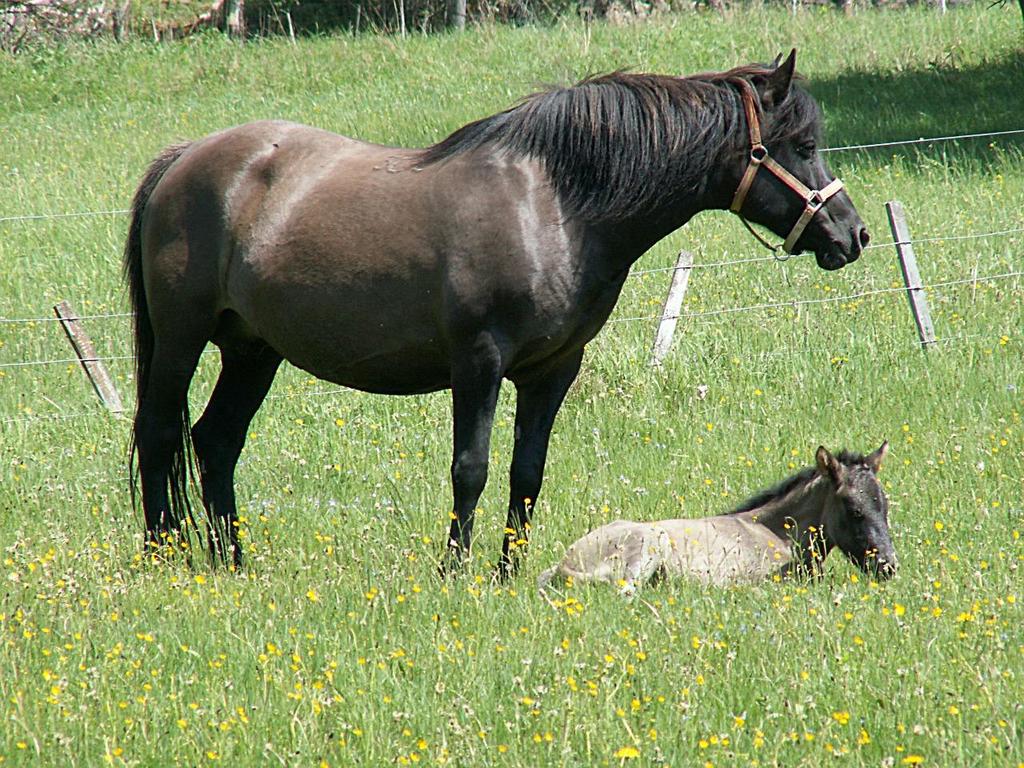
(865, 238)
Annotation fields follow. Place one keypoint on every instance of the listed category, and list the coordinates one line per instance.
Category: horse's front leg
(537, 403)
(476, 379)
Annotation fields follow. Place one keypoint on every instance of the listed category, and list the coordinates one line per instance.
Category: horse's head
(856, 517)
(781, 179)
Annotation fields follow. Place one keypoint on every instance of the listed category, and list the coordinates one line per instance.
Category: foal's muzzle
(884, 567)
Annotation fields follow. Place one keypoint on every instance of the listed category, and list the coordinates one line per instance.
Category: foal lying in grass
(788, 529)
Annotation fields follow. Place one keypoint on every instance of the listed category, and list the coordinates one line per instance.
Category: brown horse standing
(497, 253)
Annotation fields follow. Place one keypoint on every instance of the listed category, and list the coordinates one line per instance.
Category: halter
(814, 199)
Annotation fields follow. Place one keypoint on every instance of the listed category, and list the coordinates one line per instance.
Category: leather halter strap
(814, 199)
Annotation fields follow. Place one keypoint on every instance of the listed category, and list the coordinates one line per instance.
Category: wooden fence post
(94, 368)
(673, 305)
(457, 14)
(911, 277)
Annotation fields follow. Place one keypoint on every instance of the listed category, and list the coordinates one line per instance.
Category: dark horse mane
(614, 144)
(804, 476)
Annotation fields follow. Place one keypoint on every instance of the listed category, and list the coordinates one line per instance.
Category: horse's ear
(774, 88)
(874, 461)
(828, 466)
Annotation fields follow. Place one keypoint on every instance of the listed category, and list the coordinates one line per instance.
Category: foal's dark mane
(846, 458)
(614, 144)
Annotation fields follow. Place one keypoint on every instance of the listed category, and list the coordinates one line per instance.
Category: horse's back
(295, 234)
(724, 550)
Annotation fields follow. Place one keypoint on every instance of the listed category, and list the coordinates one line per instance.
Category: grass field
(338, 645)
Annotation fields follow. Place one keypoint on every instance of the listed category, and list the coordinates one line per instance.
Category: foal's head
(855, 517)
(790, 125)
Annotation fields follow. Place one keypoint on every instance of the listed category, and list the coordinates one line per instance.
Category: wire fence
(932, 140)
(632, 274)
(846, 148)
(724, 311)
(769, 305)
(820, 300)
(781, 350)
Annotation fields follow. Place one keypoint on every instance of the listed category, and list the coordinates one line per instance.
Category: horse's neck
(628, 239)
(796, 517)
(624, 242)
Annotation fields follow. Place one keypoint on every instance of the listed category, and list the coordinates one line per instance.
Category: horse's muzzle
(884, 566)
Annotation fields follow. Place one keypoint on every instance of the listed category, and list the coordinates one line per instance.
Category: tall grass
(338, 644)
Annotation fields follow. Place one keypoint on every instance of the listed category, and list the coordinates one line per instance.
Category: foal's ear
(874, 461)
(828, 466)
(774, 88)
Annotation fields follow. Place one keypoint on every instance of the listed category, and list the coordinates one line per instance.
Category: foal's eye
(807, 149)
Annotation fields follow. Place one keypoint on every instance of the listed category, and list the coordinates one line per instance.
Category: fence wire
(62, 215)
(785, 350)
(709, 313)
(55, 319)
(634, 318)
(932, 140)
(821, 300)
(847, 148)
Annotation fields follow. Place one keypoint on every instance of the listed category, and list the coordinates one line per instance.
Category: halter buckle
(758, 154)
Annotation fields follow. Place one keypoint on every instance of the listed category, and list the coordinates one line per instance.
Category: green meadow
(338, 644)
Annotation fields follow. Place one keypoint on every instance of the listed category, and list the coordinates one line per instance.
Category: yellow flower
(841, 717)
(912, 760)
(627, 753)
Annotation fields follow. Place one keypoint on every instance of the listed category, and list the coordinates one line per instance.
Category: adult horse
(497, 253)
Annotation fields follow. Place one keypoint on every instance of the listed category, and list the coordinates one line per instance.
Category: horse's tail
(143, 337)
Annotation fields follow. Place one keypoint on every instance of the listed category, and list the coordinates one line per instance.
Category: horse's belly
(386, 376)
(384, 363)
(335, 336)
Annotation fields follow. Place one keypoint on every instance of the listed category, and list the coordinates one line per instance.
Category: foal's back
(725, 549)
(716, 551)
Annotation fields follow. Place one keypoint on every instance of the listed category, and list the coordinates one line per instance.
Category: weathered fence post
(94, 368)
(457, 14)
(673, 305)
(911, 277)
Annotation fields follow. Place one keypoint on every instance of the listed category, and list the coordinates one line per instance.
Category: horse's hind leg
(246, 375)
(647, 561)
(159, 438)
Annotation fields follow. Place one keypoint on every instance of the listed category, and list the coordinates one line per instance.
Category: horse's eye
(807, 149)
